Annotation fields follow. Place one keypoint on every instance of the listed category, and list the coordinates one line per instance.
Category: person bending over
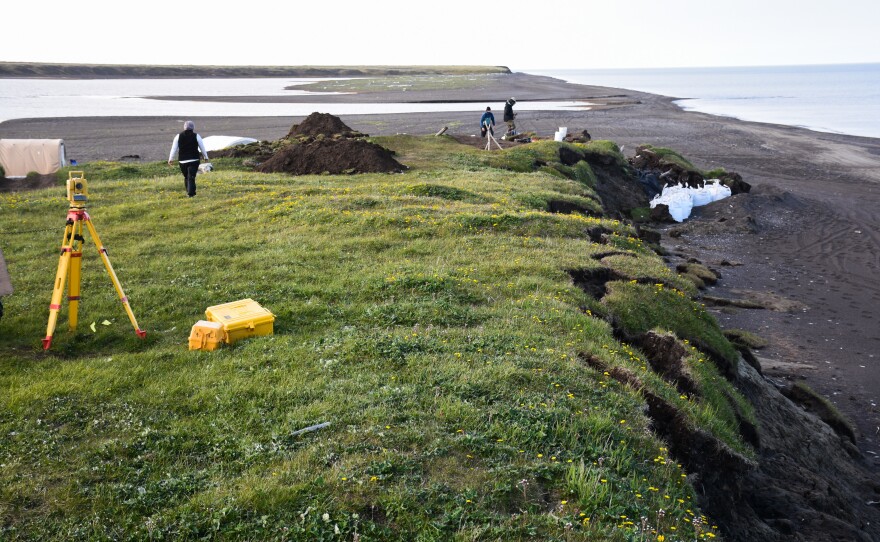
(487, 123)
(188, 146)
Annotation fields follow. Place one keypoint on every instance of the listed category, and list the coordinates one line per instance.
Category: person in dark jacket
(487, 122)
(189, 147)
(509, 115)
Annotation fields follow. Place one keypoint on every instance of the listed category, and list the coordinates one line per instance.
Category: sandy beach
(814, 212)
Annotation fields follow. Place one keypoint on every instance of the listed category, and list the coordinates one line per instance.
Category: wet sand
(819, 246)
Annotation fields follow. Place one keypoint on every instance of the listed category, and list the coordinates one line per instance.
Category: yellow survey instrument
(70, 262)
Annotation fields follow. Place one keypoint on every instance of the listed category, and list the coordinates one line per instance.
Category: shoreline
(814, 257)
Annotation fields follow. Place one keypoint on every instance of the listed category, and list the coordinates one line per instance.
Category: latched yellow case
(242, 319)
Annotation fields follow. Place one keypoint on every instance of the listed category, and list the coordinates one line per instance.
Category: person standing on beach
(487, 122)
(509, 115)
(188, 145)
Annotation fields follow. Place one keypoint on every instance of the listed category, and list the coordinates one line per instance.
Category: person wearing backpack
(487, 123)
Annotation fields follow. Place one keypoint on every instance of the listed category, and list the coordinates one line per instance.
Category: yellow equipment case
(206, 335)
(241, 319)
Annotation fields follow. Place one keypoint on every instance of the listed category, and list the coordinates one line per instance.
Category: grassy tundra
(430, 317)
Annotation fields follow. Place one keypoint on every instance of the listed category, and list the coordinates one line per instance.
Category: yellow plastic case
(241, 319)
(206, 335)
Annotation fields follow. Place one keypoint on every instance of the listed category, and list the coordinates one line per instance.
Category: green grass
(428, 316)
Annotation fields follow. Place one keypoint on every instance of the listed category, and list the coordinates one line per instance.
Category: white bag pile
(682, 199)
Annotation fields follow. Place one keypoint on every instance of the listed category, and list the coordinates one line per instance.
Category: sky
(514, 33)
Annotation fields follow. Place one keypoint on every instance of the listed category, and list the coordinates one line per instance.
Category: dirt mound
(324, 124)
(332, 156)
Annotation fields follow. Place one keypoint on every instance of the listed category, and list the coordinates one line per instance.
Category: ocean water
(42, 98)
(842, 98)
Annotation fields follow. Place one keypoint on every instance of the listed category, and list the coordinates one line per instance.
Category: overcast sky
(518, 34)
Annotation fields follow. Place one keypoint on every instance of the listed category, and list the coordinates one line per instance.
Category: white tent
(215, 143)
(22, 156)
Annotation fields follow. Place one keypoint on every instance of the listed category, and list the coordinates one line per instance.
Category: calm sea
(842, 98)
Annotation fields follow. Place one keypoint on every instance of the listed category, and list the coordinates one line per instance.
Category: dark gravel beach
(815, 208)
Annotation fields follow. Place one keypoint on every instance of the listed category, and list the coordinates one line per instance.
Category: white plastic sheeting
(682, 199)
(215, 143)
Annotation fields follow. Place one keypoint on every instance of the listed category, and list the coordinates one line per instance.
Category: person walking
(188, 146)
(509, 115)
(487, 122)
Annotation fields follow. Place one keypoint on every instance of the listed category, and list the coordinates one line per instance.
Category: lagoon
(49, 98)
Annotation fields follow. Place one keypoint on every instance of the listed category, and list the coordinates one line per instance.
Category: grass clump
(746, 339)
(427, 316)
(604, 151)
(671, 156)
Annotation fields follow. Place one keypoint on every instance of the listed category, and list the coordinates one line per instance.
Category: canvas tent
(22, 156)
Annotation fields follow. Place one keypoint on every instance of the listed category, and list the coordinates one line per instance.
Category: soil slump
(809, 482)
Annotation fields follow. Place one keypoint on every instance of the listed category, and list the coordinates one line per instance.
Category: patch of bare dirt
(31, 182)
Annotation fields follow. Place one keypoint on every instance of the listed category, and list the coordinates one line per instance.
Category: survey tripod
(490, 137)
(70, 262)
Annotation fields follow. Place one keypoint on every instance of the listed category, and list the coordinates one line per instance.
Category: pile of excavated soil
(322, 143)
(324, 124)
(332, 156)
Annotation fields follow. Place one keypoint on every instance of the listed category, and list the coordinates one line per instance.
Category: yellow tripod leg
(74, 277)
(73, 288)
(60, 277)
(103, 252)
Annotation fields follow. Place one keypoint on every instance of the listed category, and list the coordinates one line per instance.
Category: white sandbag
(681, 199)
(712, 191)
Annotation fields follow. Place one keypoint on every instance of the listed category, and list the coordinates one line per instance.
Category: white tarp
(215, 143)
(22, 156)
(682, 199)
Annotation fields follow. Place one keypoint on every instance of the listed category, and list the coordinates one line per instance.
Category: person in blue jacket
(487, 122)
